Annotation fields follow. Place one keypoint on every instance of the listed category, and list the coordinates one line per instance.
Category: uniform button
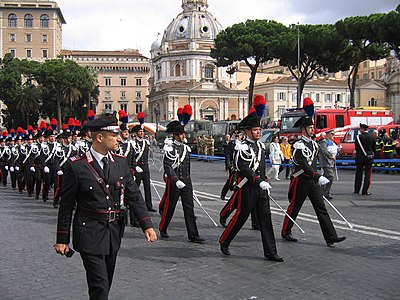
(90, 188)
(83, 223)
(107, 186)
(107, 197)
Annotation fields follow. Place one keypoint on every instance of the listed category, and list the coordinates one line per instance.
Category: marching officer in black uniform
(141, 155)
(250, 164)
(5, 156)
(39, 163)
(99, 183)
(62, 154)
(48, 156)
(18, 161)
(306, 181)
(365, 152)
(178, 183)
(30, 150)
(14, 155)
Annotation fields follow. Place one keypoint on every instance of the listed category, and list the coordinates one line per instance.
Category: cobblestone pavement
(365, 266)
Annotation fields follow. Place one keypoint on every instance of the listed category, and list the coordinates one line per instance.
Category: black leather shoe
(225, 249)
(356, 193)
(335, 240)
(273, 257)
(36, 197)
(197, 240)
(367, 193)
(164, 234)
(289, 237)
(135, 224)
(151, 209)
(55, 205)
(45, 199)
(222, 221)
(329, 197)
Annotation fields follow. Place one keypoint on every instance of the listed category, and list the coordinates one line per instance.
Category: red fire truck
(339, 119)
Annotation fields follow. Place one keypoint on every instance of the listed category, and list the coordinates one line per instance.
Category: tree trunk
(351, 82)
(59, 114)
(252, 80)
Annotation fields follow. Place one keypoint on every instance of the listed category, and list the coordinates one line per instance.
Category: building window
(12, 37)
(281, 96)
(124, 107)
(28, 38)
(12, 20)
(107, 95)
(317, 97)
(123, 81)
(306, 95)
(123, 95)
(45, 38)
(13, 52)
(209, 72)
(281, 110)
(365, 76)
(139, 108)
(328, 97)
(159, 74)
(45, 53)
(372, 102)
(372, 75)
(338, 98)
(108, 106)
(178, 71)
(107, 81)
(44, 21)
(138, 81)
(365, 64)
(28, 53)
(28, 21)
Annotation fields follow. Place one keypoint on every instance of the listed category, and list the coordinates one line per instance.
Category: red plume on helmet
(77, 124)
(90, 115)
(43, 126)
(20, 131)
(71, 124)
(12, 132)
(50, 128)
(252, 111)
(308, 106)
(54, 123)
(123, 116)
(30, 129)
(259, 104)
(179, 114)
(140, 117)
(186, 114)
(5, 133)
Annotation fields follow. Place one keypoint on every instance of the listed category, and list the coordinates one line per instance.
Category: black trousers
(250, 199)
(20, 177)
(29, 179)
(301, 187)
(13, 176)
(172, 195)
(4, 173)
(38, 179)
(360, 168)
(145, 178)
(99, 274)
(48, 181)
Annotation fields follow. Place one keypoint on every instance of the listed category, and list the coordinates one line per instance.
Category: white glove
(6, 167)
(17, 168)
(265, 186)
(323, 180)
(180, 185)
(139, 169)
(59, 173)
(11, 169)
(32, 169)
(46, 169)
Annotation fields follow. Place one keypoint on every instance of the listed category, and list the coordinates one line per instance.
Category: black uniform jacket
(250, 160)
(177, 162)
(368, 142)
(305, 155)
(92, 235)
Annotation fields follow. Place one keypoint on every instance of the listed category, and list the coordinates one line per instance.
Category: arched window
(209, 72)
(178, 70)
(44, 21)
(28, 20)
(12, 20)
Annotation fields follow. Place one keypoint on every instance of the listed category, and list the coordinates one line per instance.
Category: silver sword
(201, 206)
(338, 212)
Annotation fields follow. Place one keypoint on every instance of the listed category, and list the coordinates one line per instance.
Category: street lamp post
(156, 111)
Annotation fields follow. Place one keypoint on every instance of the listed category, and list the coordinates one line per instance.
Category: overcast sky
(121, 24)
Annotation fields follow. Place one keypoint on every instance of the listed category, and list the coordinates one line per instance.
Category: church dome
(194, 23)
(155, 45)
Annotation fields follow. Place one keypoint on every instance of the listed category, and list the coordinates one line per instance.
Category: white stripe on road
(384, 233)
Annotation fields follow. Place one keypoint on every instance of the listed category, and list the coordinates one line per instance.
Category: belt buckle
(111, 216)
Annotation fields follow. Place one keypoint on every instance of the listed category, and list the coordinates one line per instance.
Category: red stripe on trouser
(230, 206)
(292, 198)
(165, 207)
(57, 189)
(235, 217)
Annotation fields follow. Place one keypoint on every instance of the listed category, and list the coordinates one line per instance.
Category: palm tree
(27, 100)
(68, 95)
